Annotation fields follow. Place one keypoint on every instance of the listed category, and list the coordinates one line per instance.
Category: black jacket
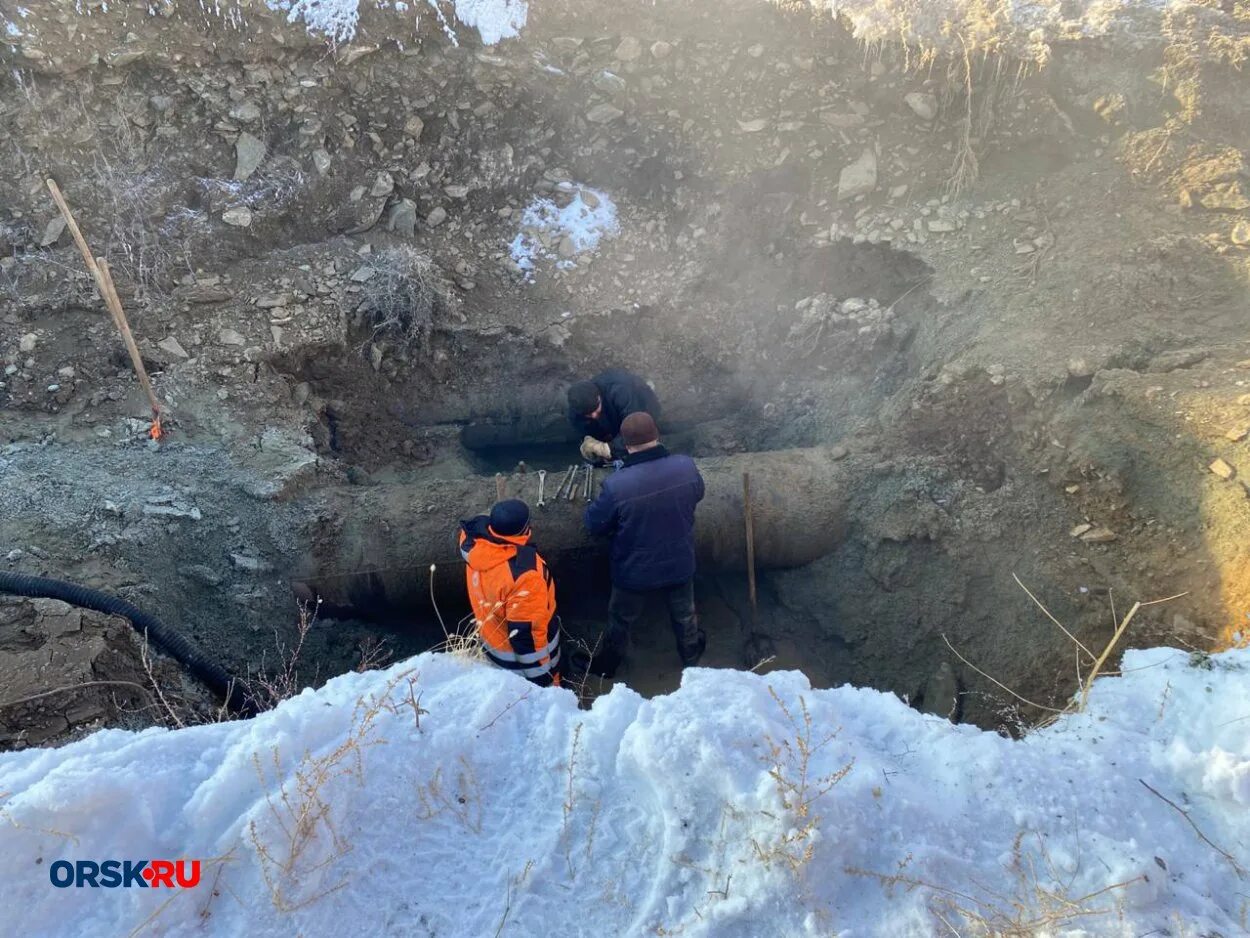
(648, 509)
(622, 393)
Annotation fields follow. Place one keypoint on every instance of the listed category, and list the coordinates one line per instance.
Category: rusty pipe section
(376, 545)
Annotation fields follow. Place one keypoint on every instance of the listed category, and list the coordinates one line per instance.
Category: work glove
(593, 449)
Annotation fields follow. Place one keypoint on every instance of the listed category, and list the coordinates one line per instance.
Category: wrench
(573, 485)
(564, 484)
(590, 475)
(542, 481)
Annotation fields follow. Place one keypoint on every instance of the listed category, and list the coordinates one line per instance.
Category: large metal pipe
(376, 547)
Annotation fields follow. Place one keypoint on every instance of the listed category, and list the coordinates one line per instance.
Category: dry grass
(402, 299)
(1037, 898)
(461, 797)
(1200, 36)
(1086, 659)
(790, 767)
(302, 841)
(269, 686)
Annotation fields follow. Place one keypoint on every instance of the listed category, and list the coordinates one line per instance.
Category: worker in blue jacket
(647, 508)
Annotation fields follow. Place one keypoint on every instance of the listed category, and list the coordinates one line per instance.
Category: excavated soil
(1042, 375)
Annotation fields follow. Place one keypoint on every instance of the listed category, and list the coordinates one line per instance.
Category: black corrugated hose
(165, 638)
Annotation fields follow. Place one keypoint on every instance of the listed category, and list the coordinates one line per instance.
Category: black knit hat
(510, 517)
(583, 397)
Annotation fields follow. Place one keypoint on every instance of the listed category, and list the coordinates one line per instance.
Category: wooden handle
(99, 270)
(750, 521)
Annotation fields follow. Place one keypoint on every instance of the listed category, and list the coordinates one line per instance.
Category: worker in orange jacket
(512, 593)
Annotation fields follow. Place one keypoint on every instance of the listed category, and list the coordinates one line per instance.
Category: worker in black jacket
(647, 508)
(598, 407)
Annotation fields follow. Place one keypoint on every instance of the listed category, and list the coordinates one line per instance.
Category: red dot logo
(149, 874)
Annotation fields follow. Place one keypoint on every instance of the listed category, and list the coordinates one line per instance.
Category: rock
(940, 694)
(201, 574)
(402, 218)
(609, 83)
(172, 511)
(661, 50)
(628, 50)
(1222, 469)
(413, 127)
(860, 178)
(1229, 198)
(436, 217)
(52, 232)
(456, 192)
(375, 355)
(230, 337)
(1080, 529)
(249, 563)
(1079, 367)
(240, 217)
(249, 154)
(838, 453)
(27, 343)
(246, 112)
(1237, 434)
(1241, 234)
(752, 126)
(273, 300)
(173, 347)
(941, 226)
(923, 104)
(321, 161)
(1098, 535)
(1166, 362)
(567, 248)
(383, 185)
(604, 113)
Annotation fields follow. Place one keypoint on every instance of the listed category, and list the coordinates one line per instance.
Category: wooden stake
(501, 487)
(750, 521)
(104, 286)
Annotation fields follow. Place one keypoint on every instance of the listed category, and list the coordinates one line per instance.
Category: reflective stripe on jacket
(513, 598)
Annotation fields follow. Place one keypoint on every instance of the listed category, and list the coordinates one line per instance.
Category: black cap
(583, 397)
(510, 517)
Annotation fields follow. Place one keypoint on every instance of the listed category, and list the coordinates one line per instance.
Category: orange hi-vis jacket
(514, 601)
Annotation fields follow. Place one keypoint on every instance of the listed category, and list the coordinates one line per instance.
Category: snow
(446, 797)
(495, 20)
(586, 219)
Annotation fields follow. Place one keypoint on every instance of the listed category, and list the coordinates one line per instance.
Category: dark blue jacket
(648, 509)
(621, 393)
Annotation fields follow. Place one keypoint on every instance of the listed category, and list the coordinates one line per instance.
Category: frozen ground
(446, 798)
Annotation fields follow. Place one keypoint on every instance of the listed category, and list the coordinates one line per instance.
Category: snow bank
(448, 798)
(494, 20)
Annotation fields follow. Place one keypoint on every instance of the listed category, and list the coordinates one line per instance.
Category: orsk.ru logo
(111, 874)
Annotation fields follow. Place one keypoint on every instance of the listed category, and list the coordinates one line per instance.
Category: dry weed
(1037, 898)
(402, 298)
(1085, 657)
(790, 767)
(302, 842)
